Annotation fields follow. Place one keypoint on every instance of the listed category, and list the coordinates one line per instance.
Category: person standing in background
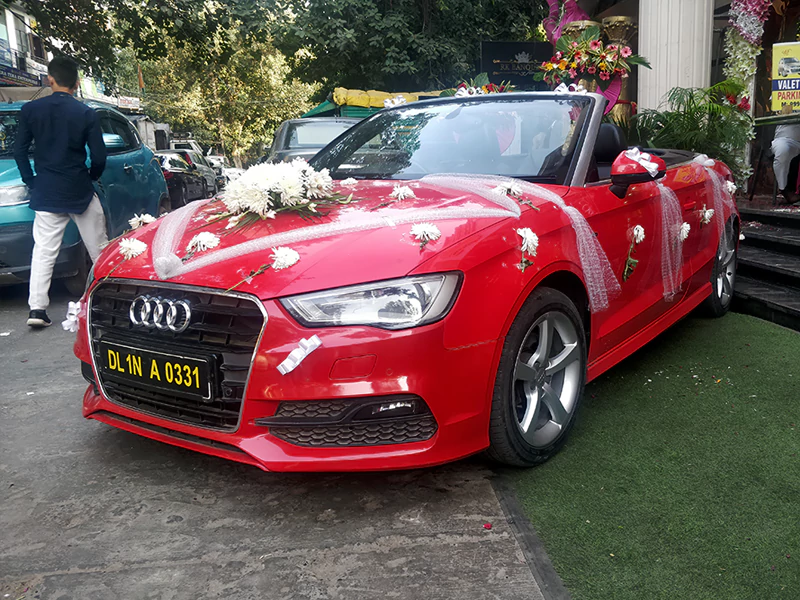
(60, 128)
(785, 147)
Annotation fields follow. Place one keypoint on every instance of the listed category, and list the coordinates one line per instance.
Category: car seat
(610, 142)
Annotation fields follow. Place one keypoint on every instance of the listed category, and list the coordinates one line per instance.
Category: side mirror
(113, 141)
(632, 167)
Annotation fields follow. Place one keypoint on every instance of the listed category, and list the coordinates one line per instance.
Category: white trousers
(48, 233)
(784, 149)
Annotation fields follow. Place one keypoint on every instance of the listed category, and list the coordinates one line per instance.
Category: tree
(235, 100)
(398, 45)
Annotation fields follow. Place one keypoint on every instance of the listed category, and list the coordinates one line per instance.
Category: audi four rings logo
(159, 313)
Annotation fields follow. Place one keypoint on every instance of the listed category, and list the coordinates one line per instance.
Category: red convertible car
(442, 279)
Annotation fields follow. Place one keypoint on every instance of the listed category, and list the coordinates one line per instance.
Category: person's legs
(48, 232)
(784, 149)
(92, 226)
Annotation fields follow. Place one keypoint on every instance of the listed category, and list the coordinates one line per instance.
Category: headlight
(394, 304)
(17, 194)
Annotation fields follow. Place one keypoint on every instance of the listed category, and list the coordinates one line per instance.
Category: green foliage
(398, 45)
(700, 120)
(234, 102)
(91, 31)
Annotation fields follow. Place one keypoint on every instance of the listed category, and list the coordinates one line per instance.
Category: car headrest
(610, 142)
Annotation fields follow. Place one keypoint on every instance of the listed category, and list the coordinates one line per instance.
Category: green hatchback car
(132, 183)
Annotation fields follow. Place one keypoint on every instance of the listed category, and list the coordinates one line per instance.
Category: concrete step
(788, 217)
(767, 265)
(770, 301)
(775, 238)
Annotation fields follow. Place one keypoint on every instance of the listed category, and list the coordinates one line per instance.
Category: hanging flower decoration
(587, 57)
(530, 243)
(128, 248)
(140, 220)
(424, 233)
(637, 237)
(282, 257)
(477, 87)
(683, 233)
(265, 190)
(706, 214)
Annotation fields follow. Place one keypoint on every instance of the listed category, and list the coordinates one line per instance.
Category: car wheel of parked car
(540, 380)
(164, 205)
(76, 284)
(723, 275)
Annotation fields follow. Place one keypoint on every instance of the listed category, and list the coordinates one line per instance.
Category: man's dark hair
(64, 70)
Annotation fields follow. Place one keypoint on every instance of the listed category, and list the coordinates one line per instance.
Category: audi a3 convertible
(441, 280)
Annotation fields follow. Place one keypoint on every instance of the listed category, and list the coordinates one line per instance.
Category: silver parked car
(303, 138)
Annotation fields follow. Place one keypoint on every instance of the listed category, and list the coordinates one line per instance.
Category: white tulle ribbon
(644, 159)
(601, 283)
(702, 159)
(71, 322)
(572, 88)
(671, 248)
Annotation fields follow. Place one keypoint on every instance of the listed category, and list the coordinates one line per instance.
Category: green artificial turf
(681, 478)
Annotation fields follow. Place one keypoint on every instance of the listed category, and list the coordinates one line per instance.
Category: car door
(641, 299)
(122, 183)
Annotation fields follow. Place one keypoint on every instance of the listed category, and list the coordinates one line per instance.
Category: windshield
(528, 138)
(9, 121)
(314, 134)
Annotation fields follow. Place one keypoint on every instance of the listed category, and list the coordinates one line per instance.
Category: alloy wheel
(547, 379)
(726, 264)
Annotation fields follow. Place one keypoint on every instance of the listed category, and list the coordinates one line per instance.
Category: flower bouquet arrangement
(265, 190)
(588, 58)
(478, 86)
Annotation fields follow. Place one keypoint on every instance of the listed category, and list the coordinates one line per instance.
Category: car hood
(367, 239)
(9, 173)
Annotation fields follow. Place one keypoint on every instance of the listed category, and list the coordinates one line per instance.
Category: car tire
(183, 196)
(164, 205)
(205, 190)
(76, 284)
(723, 275)
(540, 381)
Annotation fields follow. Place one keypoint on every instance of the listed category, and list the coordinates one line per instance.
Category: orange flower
(562, 66)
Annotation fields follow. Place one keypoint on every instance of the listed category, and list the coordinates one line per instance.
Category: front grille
(224, 328)
(370, 421)
(416, 429)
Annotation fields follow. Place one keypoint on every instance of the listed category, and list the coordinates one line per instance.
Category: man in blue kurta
(60, 128)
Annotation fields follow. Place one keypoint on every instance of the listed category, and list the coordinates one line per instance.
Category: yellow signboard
(786, 76)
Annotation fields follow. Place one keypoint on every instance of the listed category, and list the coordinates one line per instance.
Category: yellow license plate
(156, 370)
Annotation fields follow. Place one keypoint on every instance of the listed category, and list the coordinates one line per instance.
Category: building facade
(23, 55)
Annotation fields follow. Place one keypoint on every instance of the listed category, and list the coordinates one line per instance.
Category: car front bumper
(290, 422)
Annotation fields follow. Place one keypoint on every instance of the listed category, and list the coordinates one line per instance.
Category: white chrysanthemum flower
(509, 189)
(425, 232)
(349, 181)
(205, 240)
(684, 232)
(283, 258)
(392, 102)
(319, 184)
(401, 192)
(140, 220)
(461, 92)
(731, 187)
(131, 248)
(234, 221)
(638, 234)
(291, 191)
(706, 215)
(530, 241)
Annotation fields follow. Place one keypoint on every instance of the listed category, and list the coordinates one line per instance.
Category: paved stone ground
(90, 512)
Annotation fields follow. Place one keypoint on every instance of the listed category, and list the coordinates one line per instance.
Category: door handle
(127, 168)
(690, 206)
